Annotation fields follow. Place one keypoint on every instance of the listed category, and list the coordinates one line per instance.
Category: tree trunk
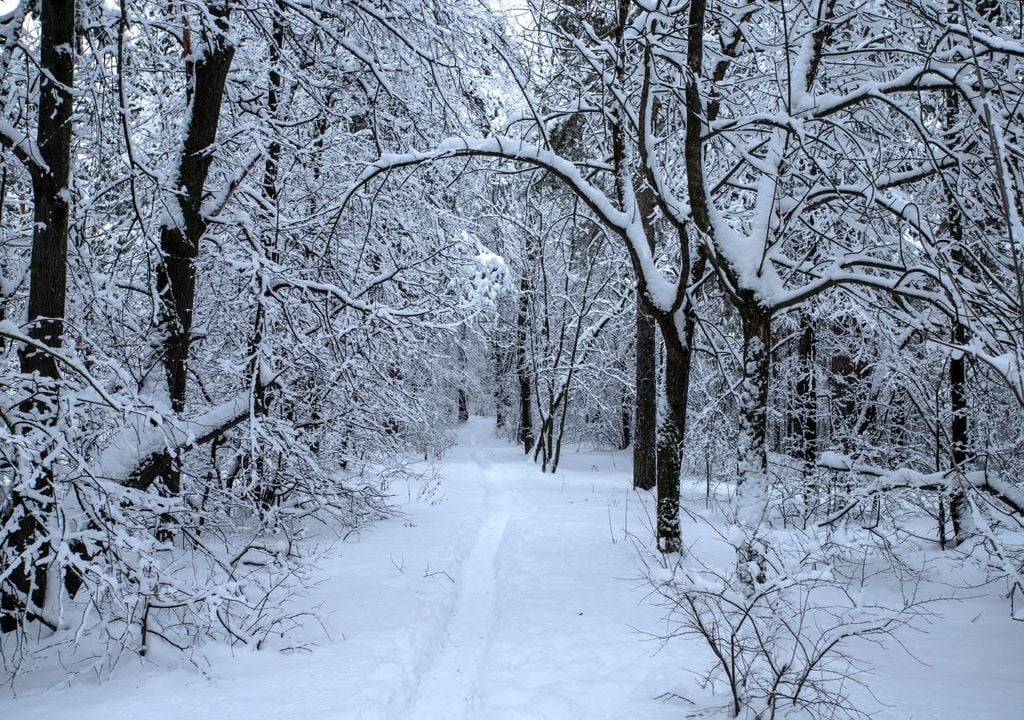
(672, 434)
(753, 425)
(752, 449)
(645, 443)
(26, 586)
(181, 235)
(645, 440)
(807, 398)
(626, 425)
(670, 443)
(50, 189)
(266, 490)
(501, 365)
(959, 507)
(543, 449)
(525, 434)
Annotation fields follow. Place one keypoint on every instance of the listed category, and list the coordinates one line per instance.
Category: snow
(490, 260)
(147, 435)
(503, 593)
(13, 138)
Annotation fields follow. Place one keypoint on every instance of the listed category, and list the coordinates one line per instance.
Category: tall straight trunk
(752, 448)
(753, 401)
(645, 436)
(501, 369)
(275, 82)
(959, 507)
(462, 396)
(670, 443)
(26, 587)
(807, 399)
(265, 491)
(672, 433)
(626, 425)
(181, 235)
(525, 434)
(500, 420)
(645, 441)
(50, 187)
(560, 437)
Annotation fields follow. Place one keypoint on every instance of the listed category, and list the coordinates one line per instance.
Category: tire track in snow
(448, 688)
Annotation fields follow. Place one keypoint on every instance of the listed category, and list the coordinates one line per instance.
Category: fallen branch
(137, 456)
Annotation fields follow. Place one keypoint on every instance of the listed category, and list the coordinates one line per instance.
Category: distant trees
(563, 322)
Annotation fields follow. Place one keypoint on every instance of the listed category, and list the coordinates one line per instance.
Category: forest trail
(450, 685)
(541, 622)
(500, 593)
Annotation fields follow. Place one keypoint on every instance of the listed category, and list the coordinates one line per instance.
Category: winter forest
(539, 359)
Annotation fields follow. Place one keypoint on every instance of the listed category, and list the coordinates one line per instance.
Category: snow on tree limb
(626, 223)
(888, 480)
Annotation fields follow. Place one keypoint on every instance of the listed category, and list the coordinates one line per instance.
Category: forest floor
(501, 593)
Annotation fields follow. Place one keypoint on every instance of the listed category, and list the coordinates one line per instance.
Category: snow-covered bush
(778, 630)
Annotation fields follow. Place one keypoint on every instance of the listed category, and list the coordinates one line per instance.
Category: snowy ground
(512, 595)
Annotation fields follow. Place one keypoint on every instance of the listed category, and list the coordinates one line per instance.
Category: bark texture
(24, 593)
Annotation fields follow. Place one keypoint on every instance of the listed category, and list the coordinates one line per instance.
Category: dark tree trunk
(557, 456)
(752, 447)
(807, 399)
(26, 586)
(645, 443)
(670, 443)
(525, 433)
(959, 507)
(267, 491)
(545, 440)
(48, 273)
(753, 425)
(501, 366)
(461, 395)
(626, 425)
(180, 237)
(672, 434)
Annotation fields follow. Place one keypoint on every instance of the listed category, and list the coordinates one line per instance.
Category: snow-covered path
(449, 688)
(539, 627)
(507, 594)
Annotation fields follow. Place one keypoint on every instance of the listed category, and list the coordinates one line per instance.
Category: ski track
(451, 681)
